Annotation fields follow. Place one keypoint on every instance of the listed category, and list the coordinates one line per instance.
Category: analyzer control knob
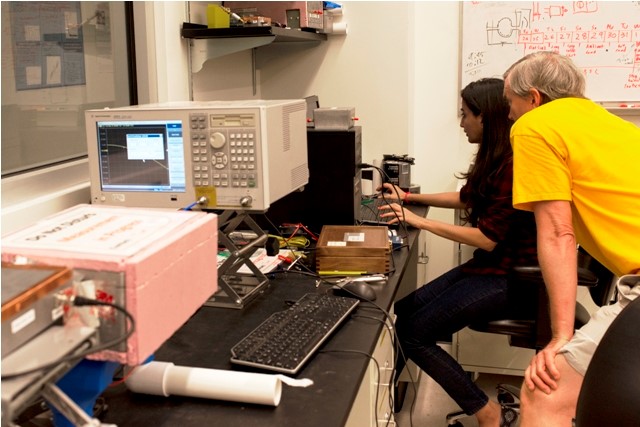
(245, 201)
(217, 140)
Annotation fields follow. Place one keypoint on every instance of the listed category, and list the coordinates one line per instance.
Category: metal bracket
(52, 344)
(67, 407)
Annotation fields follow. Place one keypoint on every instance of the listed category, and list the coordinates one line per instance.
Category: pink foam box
(160, 265)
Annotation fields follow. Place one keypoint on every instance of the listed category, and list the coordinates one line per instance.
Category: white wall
(438, 143)
(161, 54)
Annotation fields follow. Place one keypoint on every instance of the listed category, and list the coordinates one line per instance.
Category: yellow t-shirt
(573, 149)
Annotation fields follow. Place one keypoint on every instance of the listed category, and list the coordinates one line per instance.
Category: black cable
(285, 272)
(399, 353)
(82, 301)
(385, 178)
(390, 327)
(377, 369)
(395, 342)
(370, 209)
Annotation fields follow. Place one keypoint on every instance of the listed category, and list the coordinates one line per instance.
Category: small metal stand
(237, 289)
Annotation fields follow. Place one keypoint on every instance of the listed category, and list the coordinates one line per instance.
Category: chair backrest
(530, 326)
(602, 293)
(591, 273)
(610, 393)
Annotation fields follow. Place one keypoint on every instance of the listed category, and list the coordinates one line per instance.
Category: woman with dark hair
(477, 290)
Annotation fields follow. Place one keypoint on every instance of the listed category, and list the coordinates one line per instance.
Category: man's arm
(558, 261)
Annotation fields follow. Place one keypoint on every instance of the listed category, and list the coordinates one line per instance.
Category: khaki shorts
(579, 351)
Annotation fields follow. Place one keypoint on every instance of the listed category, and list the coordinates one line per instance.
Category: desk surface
(205, 341)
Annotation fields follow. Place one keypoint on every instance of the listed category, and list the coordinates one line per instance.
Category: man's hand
(542, 372)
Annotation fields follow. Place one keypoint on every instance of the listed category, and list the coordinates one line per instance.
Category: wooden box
(345, 249)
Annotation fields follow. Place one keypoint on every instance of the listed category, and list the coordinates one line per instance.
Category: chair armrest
(529, 274)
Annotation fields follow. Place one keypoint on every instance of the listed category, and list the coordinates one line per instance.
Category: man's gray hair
(552, 74)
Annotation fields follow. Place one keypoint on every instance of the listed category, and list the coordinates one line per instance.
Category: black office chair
(610, 393)
(535, 332)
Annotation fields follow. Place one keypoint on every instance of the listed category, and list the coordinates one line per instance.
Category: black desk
(205, 341)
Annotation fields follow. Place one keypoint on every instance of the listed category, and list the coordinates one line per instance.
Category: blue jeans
(444, 306)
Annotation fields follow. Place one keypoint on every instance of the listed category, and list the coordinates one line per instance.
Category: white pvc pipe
(164, 379)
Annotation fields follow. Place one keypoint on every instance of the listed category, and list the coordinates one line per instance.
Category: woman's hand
(395, 213)
(390, 191)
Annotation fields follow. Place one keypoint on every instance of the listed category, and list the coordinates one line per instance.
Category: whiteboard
(601, 37)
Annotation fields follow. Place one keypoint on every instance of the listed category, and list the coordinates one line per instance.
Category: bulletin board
(602, 38)
(47, 44)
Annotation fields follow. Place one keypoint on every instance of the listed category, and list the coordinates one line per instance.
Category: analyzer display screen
(141, 156)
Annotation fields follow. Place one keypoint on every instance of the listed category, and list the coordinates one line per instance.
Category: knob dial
(245, 201)
(217, 140)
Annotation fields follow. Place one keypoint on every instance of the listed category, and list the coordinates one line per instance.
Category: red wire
(298, 227)
(123, 379)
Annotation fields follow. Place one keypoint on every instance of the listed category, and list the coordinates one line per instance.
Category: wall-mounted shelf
(208, 43)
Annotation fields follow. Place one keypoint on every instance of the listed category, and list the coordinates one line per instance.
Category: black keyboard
(369, 212)
(286, 340)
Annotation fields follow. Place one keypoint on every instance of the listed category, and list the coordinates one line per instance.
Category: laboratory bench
(347, 389)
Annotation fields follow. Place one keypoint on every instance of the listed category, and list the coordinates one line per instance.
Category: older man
(576, 166)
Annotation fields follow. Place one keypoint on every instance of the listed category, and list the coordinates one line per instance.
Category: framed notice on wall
(47, 44)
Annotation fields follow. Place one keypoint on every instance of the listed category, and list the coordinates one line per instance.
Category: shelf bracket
(205, 49)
